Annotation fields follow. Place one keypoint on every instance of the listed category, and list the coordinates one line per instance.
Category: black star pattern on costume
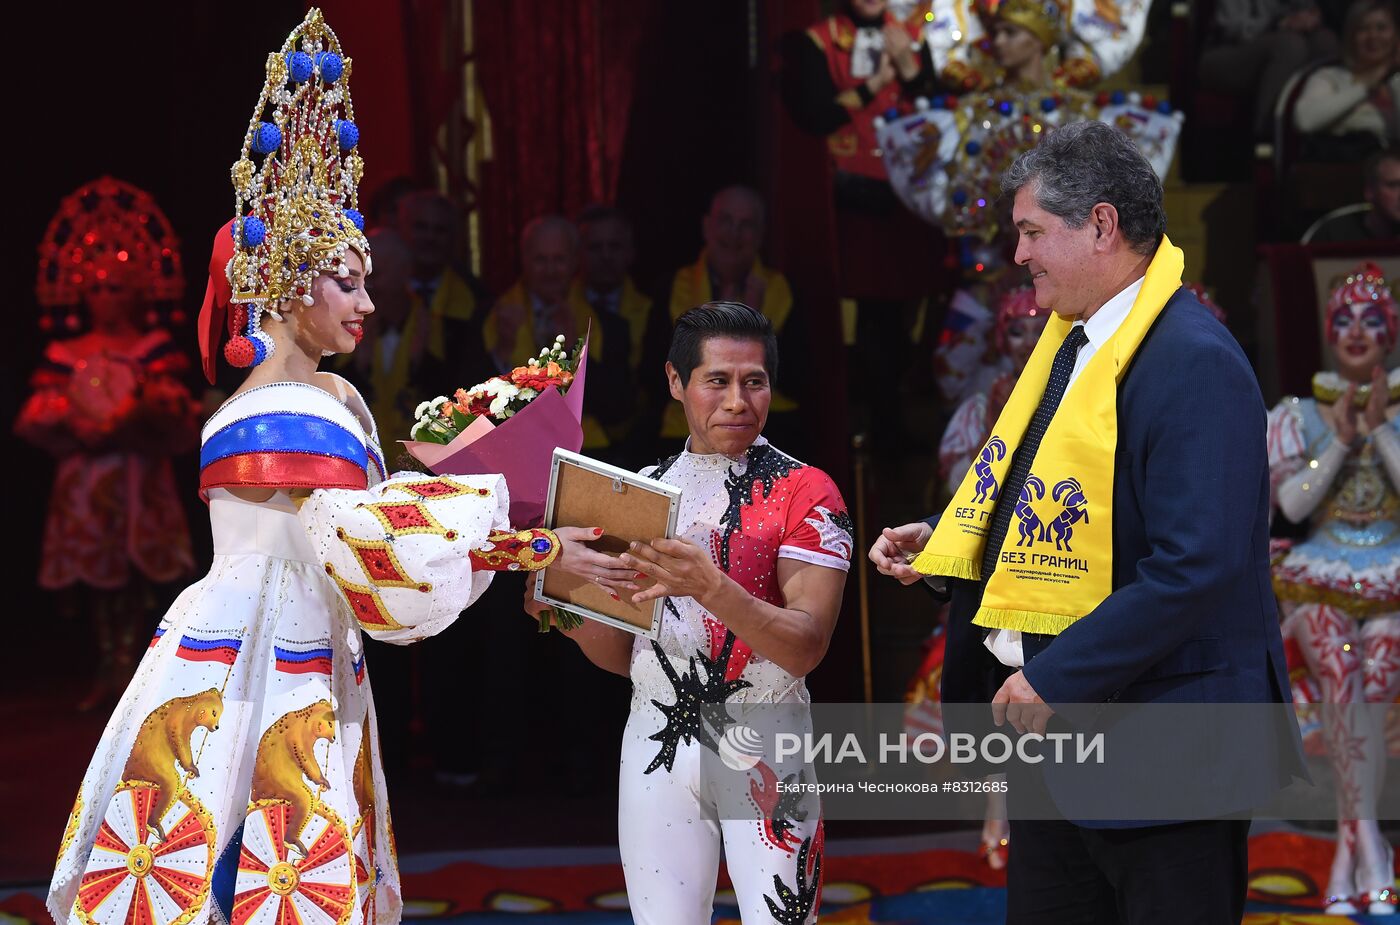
(663, 466)
(698, 703)
(843, 520)
(766, 465)
(789, 811)
(797, 904)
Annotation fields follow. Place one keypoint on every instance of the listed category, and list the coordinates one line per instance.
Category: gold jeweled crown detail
(296, 182)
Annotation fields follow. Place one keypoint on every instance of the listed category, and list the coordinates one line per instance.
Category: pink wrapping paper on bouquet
(520, 448)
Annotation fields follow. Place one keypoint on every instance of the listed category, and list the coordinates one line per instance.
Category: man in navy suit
(1191, 617)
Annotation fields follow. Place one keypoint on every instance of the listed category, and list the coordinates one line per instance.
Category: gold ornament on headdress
(295, 212)
(1042, 18)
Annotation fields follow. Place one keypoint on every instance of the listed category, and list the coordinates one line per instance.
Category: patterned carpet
(903, 880)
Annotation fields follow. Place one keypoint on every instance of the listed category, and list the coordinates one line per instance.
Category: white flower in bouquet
(502, 394)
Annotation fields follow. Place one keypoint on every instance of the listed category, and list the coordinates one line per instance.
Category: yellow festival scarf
(1056, 562)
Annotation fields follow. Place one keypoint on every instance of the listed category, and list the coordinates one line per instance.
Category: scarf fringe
(927, 563)
(1025, 621)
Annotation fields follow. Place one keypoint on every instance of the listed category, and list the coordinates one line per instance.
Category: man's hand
(1018, 703)
(509, 317)
(680, 568)
(533, 607)
(896, 546)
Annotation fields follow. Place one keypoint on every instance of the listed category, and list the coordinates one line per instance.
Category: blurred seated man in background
(628, 317)
(429, 223)
(1376, 219)
(729, 269)
(1257, 45)
(537, 308)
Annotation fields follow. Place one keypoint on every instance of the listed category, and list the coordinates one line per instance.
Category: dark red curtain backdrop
(373, 33)
(558, 81)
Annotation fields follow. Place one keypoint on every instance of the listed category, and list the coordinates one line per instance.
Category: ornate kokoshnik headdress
(108, 230)
(295, 213)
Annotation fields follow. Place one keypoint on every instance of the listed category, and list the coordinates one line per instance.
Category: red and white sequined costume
(749, 512)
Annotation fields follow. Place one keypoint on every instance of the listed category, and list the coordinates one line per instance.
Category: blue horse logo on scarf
(1030, 526)
(994, 451)
(1074, 508)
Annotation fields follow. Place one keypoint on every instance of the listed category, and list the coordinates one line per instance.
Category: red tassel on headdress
(216, 299)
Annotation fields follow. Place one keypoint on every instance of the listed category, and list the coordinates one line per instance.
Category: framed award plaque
(584, 492)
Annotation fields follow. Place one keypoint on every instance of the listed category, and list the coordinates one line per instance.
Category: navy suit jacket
(1192, 616)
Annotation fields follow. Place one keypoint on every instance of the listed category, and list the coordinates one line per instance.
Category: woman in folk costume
(108, 404)
(1022, 67)
(1033, 44)
(1334, 463)
(239, 779)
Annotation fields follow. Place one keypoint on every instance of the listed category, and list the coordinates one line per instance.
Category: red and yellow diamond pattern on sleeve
(366, 603)
(405, 518)
(381, 566)
(439, 488)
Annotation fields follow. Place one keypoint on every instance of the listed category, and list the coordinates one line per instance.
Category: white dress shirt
(1006, 644)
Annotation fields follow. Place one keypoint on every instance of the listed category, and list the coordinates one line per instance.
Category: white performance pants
(672, 824)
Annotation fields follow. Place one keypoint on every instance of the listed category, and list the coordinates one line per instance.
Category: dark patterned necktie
(1020, 469)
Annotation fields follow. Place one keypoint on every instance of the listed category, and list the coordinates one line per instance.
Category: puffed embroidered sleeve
(400, 553)
(410, 554)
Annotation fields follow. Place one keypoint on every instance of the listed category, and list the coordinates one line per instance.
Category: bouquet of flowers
(499, 398)
(508, 424)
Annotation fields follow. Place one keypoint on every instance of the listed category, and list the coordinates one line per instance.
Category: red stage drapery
(558, 81)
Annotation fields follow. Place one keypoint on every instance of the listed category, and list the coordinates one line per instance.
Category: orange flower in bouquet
(508, 424)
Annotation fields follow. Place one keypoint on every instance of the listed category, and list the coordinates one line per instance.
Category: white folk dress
(239, 779)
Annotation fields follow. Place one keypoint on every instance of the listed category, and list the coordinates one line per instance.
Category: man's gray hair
(1077, 166)
(745, 192)
(549, 223)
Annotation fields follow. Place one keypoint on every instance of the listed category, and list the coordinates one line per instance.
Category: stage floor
(906, 879)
